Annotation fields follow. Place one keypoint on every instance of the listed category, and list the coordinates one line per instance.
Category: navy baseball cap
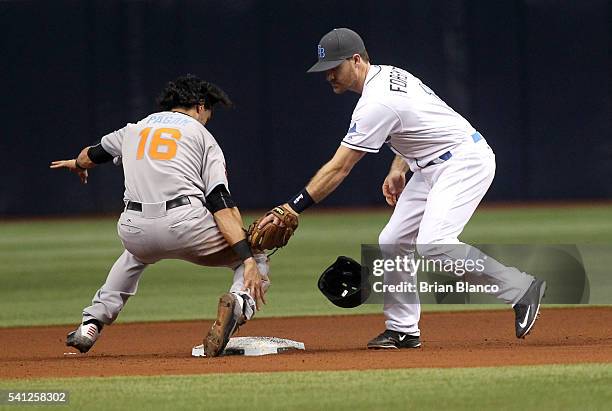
(335, 47)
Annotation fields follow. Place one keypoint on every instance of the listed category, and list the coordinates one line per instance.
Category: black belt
(170, 204)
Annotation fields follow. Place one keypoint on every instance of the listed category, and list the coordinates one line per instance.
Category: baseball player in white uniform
(452, 168)
(177, 205)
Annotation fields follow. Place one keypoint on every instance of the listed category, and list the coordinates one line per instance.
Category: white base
(253, 346)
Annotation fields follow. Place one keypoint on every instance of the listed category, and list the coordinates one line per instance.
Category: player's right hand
(253, 282)
(71, 166)
(393, 186)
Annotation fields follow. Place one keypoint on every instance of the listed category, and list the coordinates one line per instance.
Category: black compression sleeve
(219, 198)
(98, 155)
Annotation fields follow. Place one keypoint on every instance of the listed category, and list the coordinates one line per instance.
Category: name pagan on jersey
(398, 80)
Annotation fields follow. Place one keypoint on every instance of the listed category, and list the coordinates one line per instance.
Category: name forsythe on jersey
(398, 80)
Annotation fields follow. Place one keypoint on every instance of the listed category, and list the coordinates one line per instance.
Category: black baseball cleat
(527, 308)
(223, 328)
(84, 337)
(394, 339)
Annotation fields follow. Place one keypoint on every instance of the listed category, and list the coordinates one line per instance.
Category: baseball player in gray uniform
(452, 168)
(177, 205)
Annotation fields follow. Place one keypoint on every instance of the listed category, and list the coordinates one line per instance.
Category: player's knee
(388, 236)
(430, 247)
(427, 250)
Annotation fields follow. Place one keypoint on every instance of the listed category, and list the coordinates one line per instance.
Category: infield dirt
(450, 339)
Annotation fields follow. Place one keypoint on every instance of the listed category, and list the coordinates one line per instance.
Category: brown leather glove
(272, 235)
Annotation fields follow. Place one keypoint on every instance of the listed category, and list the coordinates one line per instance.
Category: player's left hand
(71, 166)
(254, 282)
(274, 229)
(272, 218)
(393, 186)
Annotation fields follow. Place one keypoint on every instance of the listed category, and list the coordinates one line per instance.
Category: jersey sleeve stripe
(359, 148)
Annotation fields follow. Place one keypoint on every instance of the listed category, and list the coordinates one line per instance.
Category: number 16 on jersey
(163, 144)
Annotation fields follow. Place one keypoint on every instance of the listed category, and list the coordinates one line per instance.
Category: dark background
(534, 76)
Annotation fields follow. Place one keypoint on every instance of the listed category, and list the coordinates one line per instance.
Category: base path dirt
(452, 339)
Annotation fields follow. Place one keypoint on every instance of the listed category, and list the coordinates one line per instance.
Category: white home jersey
(167, 155)
(396, 108)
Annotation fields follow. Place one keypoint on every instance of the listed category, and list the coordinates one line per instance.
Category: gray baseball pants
(187, 233)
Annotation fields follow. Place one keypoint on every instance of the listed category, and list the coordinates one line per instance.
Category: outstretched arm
(329, 177)
(88, 158)
(324, 182)
(375, 123)
(229, 221)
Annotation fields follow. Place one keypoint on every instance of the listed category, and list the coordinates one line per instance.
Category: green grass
(559, 387)
(51, 269)
(559, 225)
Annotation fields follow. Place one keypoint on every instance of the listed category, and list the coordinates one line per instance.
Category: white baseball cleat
(84, 337)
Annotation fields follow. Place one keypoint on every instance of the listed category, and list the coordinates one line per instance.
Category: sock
(246, 305)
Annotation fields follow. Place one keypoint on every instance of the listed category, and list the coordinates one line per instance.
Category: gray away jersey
(396, 108)
(167, 155)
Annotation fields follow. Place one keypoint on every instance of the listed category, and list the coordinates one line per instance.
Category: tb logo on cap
(321, 51)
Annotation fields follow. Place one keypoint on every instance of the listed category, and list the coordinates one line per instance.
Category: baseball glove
(272, 235)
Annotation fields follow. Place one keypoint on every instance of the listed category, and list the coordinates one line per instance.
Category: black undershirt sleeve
(98, 155)
(219, 198)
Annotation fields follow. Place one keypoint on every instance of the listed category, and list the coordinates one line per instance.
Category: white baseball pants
(433, 208)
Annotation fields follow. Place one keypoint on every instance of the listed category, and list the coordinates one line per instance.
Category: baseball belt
(476, 137)
(170, 204)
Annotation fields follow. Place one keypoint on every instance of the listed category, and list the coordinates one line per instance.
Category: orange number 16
(161, 148)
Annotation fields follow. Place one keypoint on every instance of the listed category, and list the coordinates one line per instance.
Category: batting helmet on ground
(345, 283)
